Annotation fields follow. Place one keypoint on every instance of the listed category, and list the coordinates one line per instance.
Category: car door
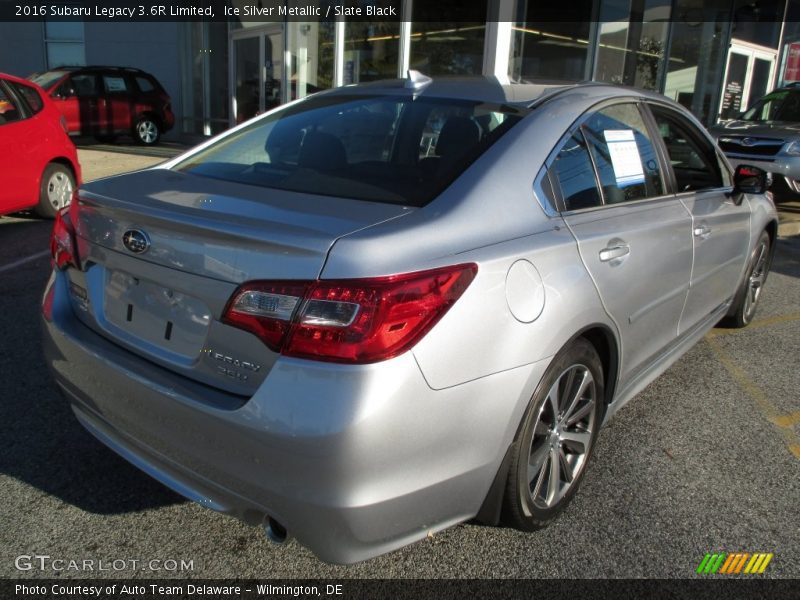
(77, 99)
(15, 148)
(633, 237)
(117, 101)
(720, 223)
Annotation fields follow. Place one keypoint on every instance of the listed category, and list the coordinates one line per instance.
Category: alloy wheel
(562, 436)
(147, 130)
(756, 280)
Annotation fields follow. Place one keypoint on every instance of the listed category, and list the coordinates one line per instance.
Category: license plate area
(154, 315)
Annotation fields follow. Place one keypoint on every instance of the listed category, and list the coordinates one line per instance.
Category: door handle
(702, 231)
(612, 252)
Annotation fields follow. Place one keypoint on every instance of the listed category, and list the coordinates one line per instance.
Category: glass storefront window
(312, 54)
(204, 77)
(542, 47)
(758, 22)
(632, 39)
(447, 48)
(697, 57)
(371, 51)
(549, 50)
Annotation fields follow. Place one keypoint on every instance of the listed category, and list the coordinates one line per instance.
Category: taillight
(351, 320)
(63, 246)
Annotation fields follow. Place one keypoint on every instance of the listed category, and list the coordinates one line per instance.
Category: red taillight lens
(266, 309)
(351, 321)
(63, 246)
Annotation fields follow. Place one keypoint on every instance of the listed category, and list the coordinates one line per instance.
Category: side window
(144, 84)
(9, 111)
(114, 84)
(82, 86)
(30, 96)
(692, 157)
(626, 160)
(574, 174)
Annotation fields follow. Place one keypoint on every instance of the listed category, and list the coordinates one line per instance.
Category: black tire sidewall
(520, 511)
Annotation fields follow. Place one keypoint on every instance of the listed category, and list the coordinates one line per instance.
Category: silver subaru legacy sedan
(389, 308)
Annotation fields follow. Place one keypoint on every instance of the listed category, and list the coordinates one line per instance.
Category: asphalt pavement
(706, 459)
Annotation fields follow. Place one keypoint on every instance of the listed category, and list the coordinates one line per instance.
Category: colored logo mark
(734, 563)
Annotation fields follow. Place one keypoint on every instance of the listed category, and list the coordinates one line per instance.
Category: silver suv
(767, 135)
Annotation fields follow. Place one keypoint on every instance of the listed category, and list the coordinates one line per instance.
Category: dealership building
(713, 56)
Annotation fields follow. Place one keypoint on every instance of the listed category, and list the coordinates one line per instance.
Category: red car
(109, 101)
(39, 162)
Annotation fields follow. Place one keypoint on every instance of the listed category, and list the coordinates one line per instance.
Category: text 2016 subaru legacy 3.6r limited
(390, 308)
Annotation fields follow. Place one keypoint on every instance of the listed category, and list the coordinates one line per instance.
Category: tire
(146, 131)
(559, 428)
(746, 300)
(55, 190)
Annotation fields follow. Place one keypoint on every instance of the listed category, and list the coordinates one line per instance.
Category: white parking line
(22, 261)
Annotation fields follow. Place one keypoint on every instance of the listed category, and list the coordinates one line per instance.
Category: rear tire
(746, 300)
(55, 190)
(556, 438)
(146, 131)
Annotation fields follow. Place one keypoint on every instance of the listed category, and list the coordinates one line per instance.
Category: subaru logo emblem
(136, 241)
(748, 141)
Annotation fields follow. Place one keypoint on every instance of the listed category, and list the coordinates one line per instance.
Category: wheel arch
(605, 343)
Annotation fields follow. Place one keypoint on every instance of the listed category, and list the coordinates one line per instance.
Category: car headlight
(793, 148)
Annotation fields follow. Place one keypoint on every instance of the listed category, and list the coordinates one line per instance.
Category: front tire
(556, 438)
(55, 190)
(746, 300)
(146, 131)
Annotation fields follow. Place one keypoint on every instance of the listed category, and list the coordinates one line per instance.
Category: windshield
(45, 80)
(391, 149)
(783, 105)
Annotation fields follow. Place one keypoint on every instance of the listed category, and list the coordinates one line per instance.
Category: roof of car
(96, 68)
(483, 89)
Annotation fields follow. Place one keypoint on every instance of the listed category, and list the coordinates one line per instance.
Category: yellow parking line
(757, 324)
(762, 402)
(787, 420)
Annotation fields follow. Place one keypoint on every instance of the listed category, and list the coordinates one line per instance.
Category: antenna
(416, 81)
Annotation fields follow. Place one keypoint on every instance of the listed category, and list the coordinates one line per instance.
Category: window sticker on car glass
(624, 156)
(114, 84)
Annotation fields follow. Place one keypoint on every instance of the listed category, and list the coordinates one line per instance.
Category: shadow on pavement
(124, 145)
(41, 442)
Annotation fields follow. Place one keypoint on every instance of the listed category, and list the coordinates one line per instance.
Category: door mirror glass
(750, 180)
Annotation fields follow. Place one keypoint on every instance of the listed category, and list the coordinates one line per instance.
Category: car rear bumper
(354, 461)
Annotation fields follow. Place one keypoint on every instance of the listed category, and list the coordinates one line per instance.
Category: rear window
(145, 84)
(398, 150)
(30, 96)
(47, 79)
(782, 105)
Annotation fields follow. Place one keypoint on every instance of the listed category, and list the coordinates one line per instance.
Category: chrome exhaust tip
(276, 533)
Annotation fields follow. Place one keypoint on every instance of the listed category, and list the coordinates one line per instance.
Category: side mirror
(748, 179)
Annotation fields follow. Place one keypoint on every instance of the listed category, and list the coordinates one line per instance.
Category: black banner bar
(271, 11)
(414, 589)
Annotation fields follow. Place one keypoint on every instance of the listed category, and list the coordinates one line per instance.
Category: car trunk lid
(203, 238)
